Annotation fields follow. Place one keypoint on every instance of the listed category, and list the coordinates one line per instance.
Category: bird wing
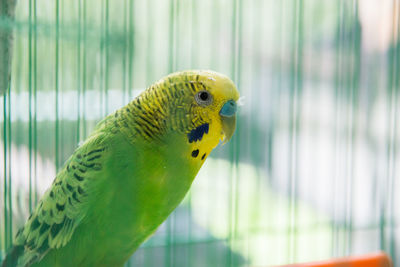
(62, 207)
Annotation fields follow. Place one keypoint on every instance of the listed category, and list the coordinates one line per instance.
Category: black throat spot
(197, 133)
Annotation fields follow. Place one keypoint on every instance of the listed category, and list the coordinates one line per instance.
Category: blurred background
(313, 169)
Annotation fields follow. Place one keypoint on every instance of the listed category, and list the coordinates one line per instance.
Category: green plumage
(124, 180)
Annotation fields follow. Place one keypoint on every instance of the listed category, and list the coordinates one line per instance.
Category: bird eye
(203, 98)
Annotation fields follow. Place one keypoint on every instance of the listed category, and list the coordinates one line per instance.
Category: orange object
(379, 259)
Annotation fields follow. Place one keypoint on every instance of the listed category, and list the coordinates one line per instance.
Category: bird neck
(155, 112)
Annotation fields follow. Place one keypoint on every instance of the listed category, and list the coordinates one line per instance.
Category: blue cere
(229, 109)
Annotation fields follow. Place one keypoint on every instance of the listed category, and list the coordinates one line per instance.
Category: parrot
(130, 173)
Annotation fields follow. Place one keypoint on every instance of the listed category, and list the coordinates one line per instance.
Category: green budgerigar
(129, 175)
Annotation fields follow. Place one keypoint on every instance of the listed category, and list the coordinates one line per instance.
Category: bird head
(207, 106)
(198, 105)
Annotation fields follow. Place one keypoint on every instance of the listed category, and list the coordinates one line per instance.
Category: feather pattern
(62, 208)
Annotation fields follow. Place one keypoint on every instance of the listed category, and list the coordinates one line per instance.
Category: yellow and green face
(205, 111)
(198, 107)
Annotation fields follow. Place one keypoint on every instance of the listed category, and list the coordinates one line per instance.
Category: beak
(228, 119)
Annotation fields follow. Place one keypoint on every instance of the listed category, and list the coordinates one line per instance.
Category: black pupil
(204, 96)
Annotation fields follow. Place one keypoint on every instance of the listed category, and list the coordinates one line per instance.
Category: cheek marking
(197, 134)
(195, 153)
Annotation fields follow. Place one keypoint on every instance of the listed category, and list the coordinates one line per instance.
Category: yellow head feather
(188, 103)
